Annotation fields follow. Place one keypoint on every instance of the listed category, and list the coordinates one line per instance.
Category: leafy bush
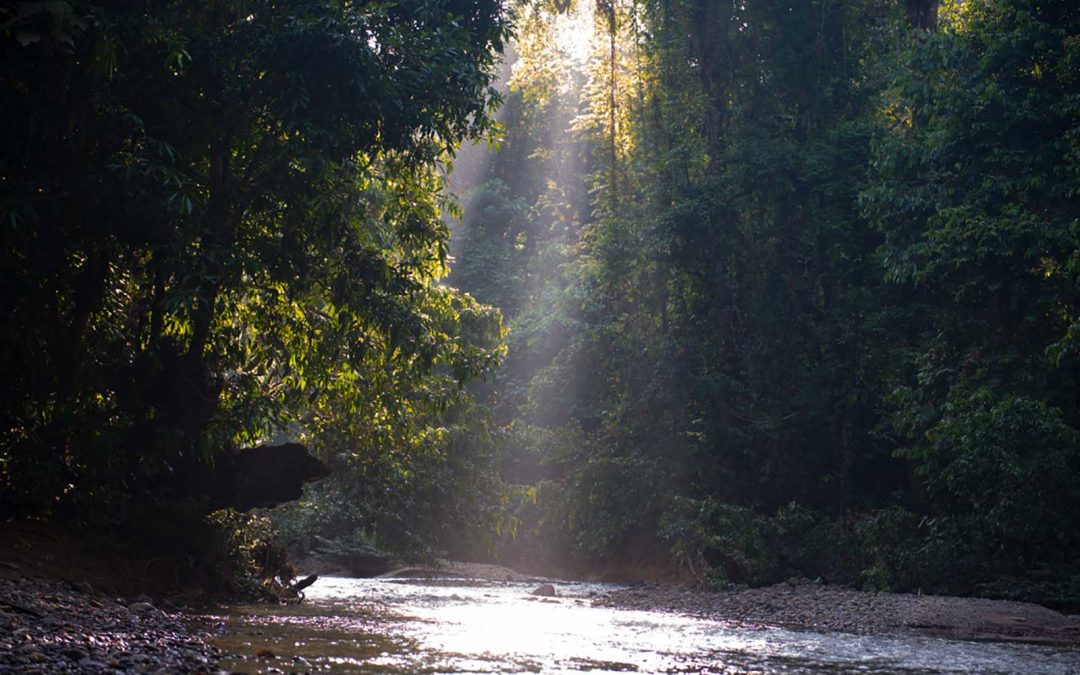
(1001, 475)
(888, 543)
(740, 546)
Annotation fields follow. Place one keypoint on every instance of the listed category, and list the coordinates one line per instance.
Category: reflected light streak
(484, 626)
(565, 634)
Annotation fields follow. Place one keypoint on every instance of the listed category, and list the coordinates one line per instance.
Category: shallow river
(466, 626)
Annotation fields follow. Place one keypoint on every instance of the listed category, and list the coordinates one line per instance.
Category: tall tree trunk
(88, 296)
(923, 14)
(708, 43)
(608, 7)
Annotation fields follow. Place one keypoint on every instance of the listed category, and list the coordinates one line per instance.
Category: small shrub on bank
(876, 551)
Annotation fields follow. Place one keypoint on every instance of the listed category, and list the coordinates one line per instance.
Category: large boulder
(263, 476)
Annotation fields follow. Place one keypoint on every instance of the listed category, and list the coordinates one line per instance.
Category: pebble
(71, 629)
(812, 605)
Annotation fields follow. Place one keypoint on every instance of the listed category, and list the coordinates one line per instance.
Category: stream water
(474, 626)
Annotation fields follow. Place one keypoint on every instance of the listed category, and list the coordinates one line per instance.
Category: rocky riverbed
(51, 626)
(803, 604)
(95, 625)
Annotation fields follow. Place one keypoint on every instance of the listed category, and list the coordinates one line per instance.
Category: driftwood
(304, 583)
(292, 594)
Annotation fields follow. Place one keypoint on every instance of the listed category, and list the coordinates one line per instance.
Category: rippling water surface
(472, 626)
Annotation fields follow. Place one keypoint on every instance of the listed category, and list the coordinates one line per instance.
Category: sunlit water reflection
(463, 626)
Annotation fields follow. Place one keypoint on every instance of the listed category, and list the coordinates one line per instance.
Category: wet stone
(75, 654)
(546, 590)
(141, 607)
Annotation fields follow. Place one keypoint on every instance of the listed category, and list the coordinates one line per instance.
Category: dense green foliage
(974, 191)
(221, 223)
(791, 285)
(816, 315)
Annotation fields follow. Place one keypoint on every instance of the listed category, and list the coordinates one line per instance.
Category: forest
(741, 290)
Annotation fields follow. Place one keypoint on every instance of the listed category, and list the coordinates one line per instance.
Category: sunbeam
(574, 33)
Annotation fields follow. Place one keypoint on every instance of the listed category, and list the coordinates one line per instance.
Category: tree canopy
(816, 315)
(790, 286)
(221, 222)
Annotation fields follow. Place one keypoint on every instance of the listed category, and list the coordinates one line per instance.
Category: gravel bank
(49, 626)
(808, 605)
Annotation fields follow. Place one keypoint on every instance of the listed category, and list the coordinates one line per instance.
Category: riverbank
(54, 626)
(72, 603)
(834, 608)
(69, 606)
